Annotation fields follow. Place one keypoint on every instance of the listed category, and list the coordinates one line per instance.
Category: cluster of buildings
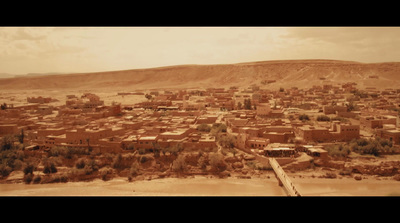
(261, 120)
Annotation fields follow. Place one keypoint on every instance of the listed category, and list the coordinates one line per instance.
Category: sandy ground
(347, 187)
(197, 186)
(205, 186)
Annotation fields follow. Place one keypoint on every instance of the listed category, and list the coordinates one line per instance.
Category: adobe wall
(280, 129)
(8, 129)
(41, 133)
(333, 109)
(284, 161)
(275, 137)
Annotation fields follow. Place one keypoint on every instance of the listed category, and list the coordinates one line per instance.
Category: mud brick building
(338, 132)
(377, 121)
(333, 109)
(263, 109)
(390, 134)
(8, 129)
(39, 100)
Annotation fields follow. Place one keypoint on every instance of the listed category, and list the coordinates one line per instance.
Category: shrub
(338, 150)
(371, 146)
(80, 164)
(49, 167)
(251, 164)
(7, 142)
(29, 168)
(117, 162)
(5, 170)
(219, 127)
(384, 142)
(263, 167)
(173, 149)
(204, 128)
(134, 170)
(330, 175)
(202, 162)
(345, 172)
(92, 164)
(67, 153)
(37, 179)
(106, 173)
(217, 162)
(57, 151)
(28, 178)
(304, 117)
(323, 118)
(227, 141)
(179, 164)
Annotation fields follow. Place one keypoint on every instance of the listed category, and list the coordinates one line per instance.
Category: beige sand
(206, 186)
(347, 187)
(197, 186)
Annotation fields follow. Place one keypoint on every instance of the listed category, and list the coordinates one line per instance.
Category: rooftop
(148, 138)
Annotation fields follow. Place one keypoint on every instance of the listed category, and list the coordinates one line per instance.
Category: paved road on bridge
(291, 190)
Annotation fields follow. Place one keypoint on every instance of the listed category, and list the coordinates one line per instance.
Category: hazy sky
(90, 49)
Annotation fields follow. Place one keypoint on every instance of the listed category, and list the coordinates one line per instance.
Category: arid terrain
(289, 73)
(190, 130)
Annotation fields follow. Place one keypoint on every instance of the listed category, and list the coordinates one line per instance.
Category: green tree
(148, 96)
(179, 164)
(218, 128)
(323, 118)
(134, 170)
(239, 105)
(80, 164)
(117, 162)
(247, 104)
(49, 167)
(7, 142)
(217, 162)
(204, 127)
(3, 106)
(29, 168)
(5, 170)
(304, 117)
(227, 141)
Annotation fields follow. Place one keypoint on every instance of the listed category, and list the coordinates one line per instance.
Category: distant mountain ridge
(271, 74)
(7, 75)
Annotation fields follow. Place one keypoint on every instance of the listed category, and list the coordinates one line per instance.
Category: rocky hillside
(272, 74)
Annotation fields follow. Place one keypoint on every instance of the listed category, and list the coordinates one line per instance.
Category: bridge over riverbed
(283, 178)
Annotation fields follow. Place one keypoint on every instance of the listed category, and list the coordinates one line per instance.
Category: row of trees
(362, 146)
(8, 141)
(322, 118)
(246, 105)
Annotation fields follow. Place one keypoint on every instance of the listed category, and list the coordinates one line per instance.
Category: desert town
(225, 132)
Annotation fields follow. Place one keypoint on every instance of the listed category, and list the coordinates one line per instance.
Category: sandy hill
(286, 73)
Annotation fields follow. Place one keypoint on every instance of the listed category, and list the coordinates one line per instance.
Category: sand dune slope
(300, 73)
